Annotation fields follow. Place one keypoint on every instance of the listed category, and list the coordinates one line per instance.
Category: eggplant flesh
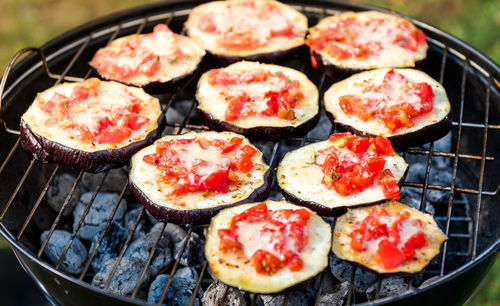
(427, 127)
(148, 186)
(212, 106)
(236, 270)
(277, 48)
(423, 255)
(301, 182)
(49, 142)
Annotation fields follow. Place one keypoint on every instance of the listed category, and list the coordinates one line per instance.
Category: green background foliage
(34, 22)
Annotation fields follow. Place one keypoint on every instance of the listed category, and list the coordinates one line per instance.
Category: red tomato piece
(229, 240)
(390, 255)
(242, 163)
(293, 261)
(383, 146)
(266, 263)
(217, 181)
(113, 135)
(227, 146)
(255, 213)
(389, 185)
(416, 240)
(135, 121)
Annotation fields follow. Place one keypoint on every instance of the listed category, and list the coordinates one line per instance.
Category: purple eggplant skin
(49, 151)
(331, 212)
(259, 132)
(197, 216)
(402, 142)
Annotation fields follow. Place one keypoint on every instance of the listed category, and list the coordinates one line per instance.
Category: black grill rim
(451, 42)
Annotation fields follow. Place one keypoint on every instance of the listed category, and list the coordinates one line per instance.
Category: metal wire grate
(459, 213)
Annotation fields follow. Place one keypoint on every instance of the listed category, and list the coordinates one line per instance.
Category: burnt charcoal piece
(437, 196)
(193, 253)
(139, 250)
(416, 172)
(151, 218)
(179, 292)
(336, 296)
(342, 270)
(304, 296)
(59, 190)
(129, 221)
(391, 286)
(216, 295)
(98, 214)
(413, 197)
(110, 246)
(114, 182)
(125, 278)
(75, 257)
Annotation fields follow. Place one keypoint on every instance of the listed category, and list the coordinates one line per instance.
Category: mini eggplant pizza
(267, 247)
(405, 105)
(351, 42)
(188, 178)
(247, 29)
(161, 57)
(387, 238)
(258, 100)
(343, 171)
(92, 125)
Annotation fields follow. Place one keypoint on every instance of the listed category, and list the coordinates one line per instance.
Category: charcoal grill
(469, 218)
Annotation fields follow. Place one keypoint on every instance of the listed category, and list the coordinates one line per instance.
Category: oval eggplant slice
(233, 30)
(157, 59)
(240, 100)
(352, 42)
(383, 89)
(411, 255)
(235, 269)
(192, 192)
(300, 177)
(91, 125)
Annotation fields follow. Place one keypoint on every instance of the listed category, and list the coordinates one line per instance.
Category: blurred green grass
(34, 22)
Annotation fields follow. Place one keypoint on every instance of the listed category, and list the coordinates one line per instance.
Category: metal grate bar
(148, 261)
(454, 219)
(16, 191)
(38, 201)
(59, 215)
(377, 289)
(350, 291)
(455, 165)
(481, 172)
(124, 248)
(456, 189)
(174, 267)
(477, 125)
(9, 156)
(198, 284)
(80, 222)
(74, 59)
(446, 154)
(321, 281)
(103, 231)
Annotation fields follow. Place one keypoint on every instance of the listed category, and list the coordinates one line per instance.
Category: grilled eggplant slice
(188, 178)
(154, 61)
(402, 239)
(236, 266)
(373, 102)
(91, 125)
(260, 30)
(329, 175)
(258, 100)
(352, 42)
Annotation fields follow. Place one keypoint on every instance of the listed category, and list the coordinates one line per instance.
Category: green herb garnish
(65, 102)
(175, 60)
(263, 265)
(277, 72)
(381, 101)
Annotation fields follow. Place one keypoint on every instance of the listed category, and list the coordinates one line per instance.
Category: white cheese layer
(112, 95)
(355, 84)
(212, 100)
(390, 55)
(149, 179)
(298, 175)
(209, 40)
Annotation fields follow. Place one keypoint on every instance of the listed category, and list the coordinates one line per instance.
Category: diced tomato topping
(113, 135)
(383, 146)
(229, 240)
(135, 121)
(217, 180)
(242, 163)
(293, 261)
(266, 263)
(390, 255)
(227, 146)
(254, 214)
(389, 185)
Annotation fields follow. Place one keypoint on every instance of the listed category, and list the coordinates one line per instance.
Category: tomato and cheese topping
(199, 165)
(352, 164)
(93, 115)
(141, 59)
(387, 101)
(391, 237)
(371, 37)
(244, 27)
(250, 94)
(396, 102)
(271, 239)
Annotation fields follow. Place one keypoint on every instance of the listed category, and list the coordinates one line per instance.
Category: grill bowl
(471, 80)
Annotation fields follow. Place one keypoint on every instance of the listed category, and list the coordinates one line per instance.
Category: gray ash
(220, 294)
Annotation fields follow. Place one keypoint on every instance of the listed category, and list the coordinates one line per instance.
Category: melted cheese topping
(238, 271)
(423, 255)
(298, 175)
(149, 179)
(247, 20)
(163, 46)
(391, 55)
(212, 100)
(355, 84)
(111, 95)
